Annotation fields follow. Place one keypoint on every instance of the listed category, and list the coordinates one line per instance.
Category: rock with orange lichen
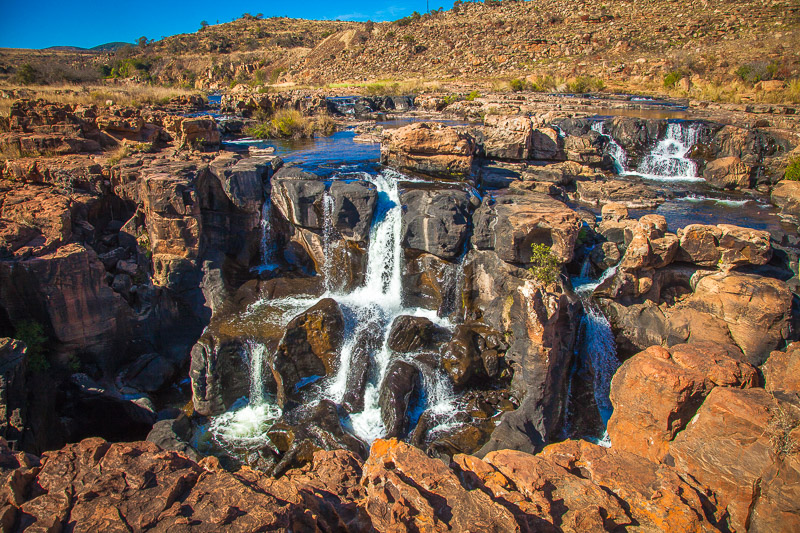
(656, 392)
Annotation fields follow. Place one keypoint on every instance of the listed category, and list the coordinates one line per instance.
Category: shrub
(26, 74)
(32, 334)
(517, 85)
(451, 98)
(544, 265)
(584, 84)
(672, 77)
(291, 124)
(472, 96)
(793, 170)
(780, 428)
(757, 71)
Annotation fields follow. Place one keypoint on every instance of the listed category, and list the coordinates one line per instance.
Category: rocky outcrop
(13, 400)
(309, 347)
(657, 392)
(573, 486)
(428, 148)
(742, 444)
(511, 221)
(786, 195)
(728, 173)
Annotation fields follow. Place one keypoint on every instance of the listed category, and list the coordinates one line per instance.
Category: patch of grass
(472, 96)
(792, 170)
(779, 431)
(585, 84)
(516, 85)
(291, 124)
(544, 265)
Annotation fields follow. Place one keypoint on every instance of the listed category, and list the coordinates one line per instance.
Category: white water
(327, 239)
(669, 160)
(612, 149)
(246, 424)
(267, 244)
(597, 347)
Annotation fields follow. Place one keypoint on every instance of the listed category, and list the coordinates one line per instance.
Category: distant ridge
(107, 47)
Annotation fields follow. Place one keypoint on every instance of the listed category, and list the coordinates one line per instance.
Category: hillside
(622, 44)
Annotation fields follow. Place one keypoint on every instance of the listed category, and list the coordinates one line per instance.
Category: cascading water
(668, 161)
(246, 424)
(612, 149)
(267, 245)
(327, 239)
(597, 349)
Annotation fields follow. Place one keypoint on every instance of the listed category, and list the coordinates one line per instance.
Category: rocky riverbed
(355, 332)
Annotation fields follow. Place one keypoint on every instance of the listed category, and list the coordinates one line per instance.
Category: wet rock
(635, 135)
(219, 375)
(435, 283)
(727, 173)
(309, 347)
(605, 256)
(547, 145)
(511, 223)
(148, 373)
(733, 447)
(428, 148)
(299, 200)
(174, 434)
(435, 221)
(413, 334)
(400, 389)
(406, 488)
(353, 208)
(657, 392)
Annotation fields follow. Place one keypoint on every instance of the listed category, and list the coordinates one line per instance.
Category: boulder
(299, 200)
(547, 144)
(148, 373)
(400, 390)
(435, 221)
(507, 137)
(413, 333)
(428, 148)
(727, 173)
(309, 347)
(353, 208)
(786, 195)
(631, 194)
(656, 392)
(174, 434)
(781, 370)
(200, 132)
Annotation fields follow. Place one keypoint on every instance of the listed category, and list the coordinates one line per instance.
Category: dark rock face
(413, 334)
(636, 136)
(435, 221)
(398, 390)
(309, 347)
(13, 401)
(353, 208)
(174, 434)
(219, 375)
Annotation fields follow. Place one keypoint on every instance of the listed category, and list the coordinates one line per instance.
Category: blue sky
(43, 23)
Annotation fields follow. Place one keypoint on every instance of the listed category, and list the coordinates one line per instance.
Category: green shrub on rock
(792, 170)
(544, 265)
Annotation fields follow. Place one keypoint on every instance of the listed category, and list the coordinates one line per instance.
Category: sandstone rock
(149, 373)
(727, 173)
(299, 200)
(656, 392)
(507, 137)
(428, 148)
(547, 144)
(309, 347)
(407, 489)
(353, 208)
(728, 448)
(782, 369)
(201, 132)
(632, 195)
(219, 375)
(513, 222)
(786, 195)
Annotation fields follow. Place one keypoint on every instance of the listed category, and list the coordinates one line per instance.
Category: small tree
(141, 42)
(544, 265)
(203, 24)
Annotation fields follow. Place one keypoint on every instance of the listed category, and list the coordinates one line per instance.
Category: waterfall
(327, 239)
(668, 161)
(267, 245)
(612, 149)
(246, 424)
(597, 349)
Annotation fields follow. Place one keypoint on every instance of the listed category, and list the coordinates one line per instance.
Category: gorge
(485, 314)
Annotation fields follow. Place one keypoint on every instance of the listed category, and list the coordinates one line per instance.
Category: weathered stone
(435, 221)
(428, 148)
(400, 389)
